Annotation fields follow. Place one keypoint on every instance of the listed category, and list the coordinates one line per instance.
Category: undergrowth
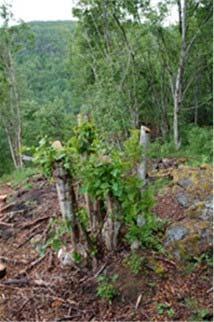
(18, 177)
(197, 143)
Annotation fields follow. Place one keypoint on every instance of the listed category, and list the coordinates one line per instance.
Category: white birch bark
(144, 142)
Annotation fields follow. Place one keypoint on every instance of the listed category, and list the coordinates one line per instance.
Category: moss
(195, 210)
(192, 244)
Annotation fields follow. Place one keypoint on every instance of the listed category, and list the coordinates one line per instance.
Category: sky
(31, 10)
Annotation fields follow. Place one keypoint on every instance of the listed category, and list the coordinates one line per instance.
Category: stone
(185, 183)
(135, 245)
(188, 238)
(36, 241)
(141, 220)
(65, 257)
(182, 199)
(207, 214)
(175, 233)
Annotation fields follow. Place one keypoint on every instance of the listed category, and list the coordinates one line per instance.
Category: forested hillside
(43, 69)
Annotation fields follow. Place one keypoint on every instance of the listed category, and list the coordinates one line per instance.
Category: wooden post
(144, 142)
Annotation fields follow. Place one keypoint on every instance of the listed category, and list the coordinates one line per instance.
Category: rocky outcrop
(191, 236)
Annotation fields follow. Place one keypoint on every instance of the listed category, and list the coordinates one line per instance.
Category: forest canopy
(119, 62)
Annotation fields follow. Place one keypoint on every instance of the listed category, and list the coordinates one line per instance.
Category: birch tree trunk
(177, 97)
(144, 142)
(65, 195)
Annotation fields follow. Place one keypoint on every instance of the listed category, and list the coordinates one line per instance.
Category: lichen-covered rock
(174, 233)
(183, 199)
(141, 220)
(188, 238)
(192, 188)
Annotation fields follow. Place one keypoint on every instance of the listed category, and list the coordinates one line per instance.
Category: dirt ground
(38, 288)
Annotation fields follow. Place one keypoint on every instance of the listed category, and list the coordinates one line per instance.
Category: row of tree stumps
(107, 229)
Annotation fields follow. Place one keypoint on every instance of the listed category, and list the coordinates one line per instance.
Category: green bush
(199, 143)
(19, 176)
(106, 289)
(134, 262)
(196, 146)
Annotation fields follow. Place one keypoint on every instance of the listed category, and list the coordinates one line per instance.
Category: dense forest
(106, 194)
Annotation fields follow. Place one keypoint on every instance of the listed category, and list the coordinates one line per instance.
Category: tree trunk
(111, 226)
(177, 97)
(144, 142)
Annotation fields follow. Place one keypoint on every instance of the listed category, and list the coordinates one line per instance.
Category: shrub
(134, 262)
(106, 289)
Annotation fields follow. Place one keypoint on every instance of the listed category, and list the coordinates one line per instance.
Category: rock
(141, 221)
(188, 238)
(207, 214)
(68, 258)
(182, 199)
(65, 257)
(175, 233)
(135, 245)
(36, 241)
(201, 210)
(185, 182)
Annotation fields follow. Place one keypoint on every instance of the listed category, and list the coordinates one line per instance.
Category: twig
(84, 279)
(166, 260)
(31, 266)
(13, 261)
(7, 206)
(33, 232)
(11, 214)
(32, 223)
(138, 301)
(6, 224)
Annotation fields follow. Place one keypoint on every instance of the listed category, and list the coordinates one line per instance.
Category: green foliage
(19, 177)
(165, 307)
(106, 172)
(199, 143)
(134, 262)
(198, 313)
(106, 288)
(58, 229)
(197, 146)
(147, 234)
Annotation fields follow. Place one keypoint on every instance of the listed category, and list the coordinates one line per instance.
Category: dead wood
(10, 215)
(31, 266)
(6, 224)
(34, 222)
(8, 206)
(13, 261)
(32, 233)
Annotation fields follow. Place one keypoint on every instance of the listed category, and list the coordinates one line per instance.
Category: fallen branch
(6, 224)
(32, 233)
(10, 215)
(32, 223)
(166, 260)
(13, 261)
(85, 279)
(7, 206)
